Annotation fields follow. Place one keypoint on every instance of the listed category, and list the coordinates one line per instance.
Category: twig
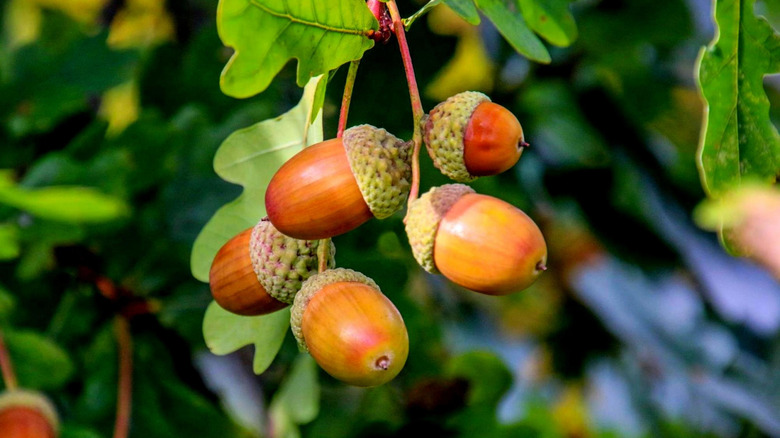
(414, 96)
(6, 366)
(348, 87)
(124, 401)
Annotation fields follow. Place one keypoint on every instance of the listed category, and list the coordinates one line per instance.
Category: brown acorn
(468, 136)
(351, 329)
(27, 414)
(477, 241)
(260, 270)
(334, 186)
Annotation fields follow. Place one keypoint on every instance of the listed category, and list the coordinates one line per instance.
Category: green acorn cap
(423, 219)
(381, 164)
(444, 131)
(33, 400)
(314, 285)
(282, 263)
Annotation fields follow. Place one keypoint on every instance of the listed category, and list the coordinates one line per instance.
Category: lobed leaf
(250, 157)
(226, 332)
(738, 139)
(265, 34)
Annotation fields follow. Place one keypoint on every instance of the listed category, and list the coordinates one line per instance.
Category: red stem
(6, 366)
(124, 401)
(414, 95)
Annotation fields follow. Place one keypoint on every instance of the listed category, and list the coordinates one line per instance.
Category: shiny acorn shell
(351, 329)
(335, 186)
(27, 414)
(477, 241)
(260, 270)
(468, 136)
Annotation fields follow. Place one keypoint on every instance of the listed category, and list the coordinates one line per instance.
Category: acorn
(260, 270)
(27, 414)
(477, 241)
(352, 330)
(334, 186)
(468, 136)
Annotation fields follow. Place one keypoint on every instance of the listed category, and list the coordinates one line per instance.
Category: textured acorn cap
(445, 129)
(33, 400)
(314, 285)
(423, 219)
(381, 165)
(282, 263)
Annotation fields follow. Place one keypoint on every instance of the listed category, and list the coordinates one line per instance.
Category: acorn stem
(6, 366)
(322, 255)
(124, 402)
(349, 85)
(414, 96)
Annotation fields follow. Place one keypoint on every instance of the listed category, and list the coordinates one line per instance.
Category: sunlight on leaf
(266, 34)
(141, 23)
(120, 107)
(65, 204)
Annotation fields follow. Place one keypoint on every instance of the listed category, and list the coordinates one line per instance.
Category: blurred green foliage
(641, 327)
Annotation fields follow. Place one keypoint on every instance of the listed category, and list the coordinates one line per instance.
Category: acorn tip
(383, 363)
(541, 266)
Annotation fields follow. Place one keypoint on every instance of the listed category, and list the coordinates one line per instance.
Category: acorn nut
(260, 270)
(27, 414)
(351, 329)
(334, 186)
(477, 241)
(468, 136)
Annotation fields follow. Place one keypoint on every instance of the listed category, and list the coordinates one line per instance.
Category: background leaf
(65, 204)
(39, 362)
(738, 138)
(321, 35)
(551, 19)
(512, 26)
(299, 394)
(250, 157)
(226, 332)
(466, 9)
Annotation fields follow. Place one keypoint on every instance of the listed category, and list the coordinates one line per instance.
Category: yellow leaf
(83, 11)
(120, 107)
(469, 69)
(141, 23)
(22, 23)
(571, 413)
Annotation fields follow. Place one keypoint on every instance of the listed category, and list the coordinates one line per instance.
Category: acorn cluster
(340, 316)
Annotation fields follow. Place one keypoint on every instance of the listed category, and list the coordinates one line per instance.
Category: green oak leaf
(510, 23)
(465, 9)
(738, 140)
(250, 157)
(299, 394)
(40, 363)
(72, 204)
(265, 34)
(226, 332)
(9, 241)
(551, 19)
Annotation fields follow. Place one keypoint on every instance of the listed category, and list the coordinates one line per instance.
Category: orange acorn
(351, 329)
(260, 270)
(477, 241)
(468, 136)
(334, 186)
(27, 414)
